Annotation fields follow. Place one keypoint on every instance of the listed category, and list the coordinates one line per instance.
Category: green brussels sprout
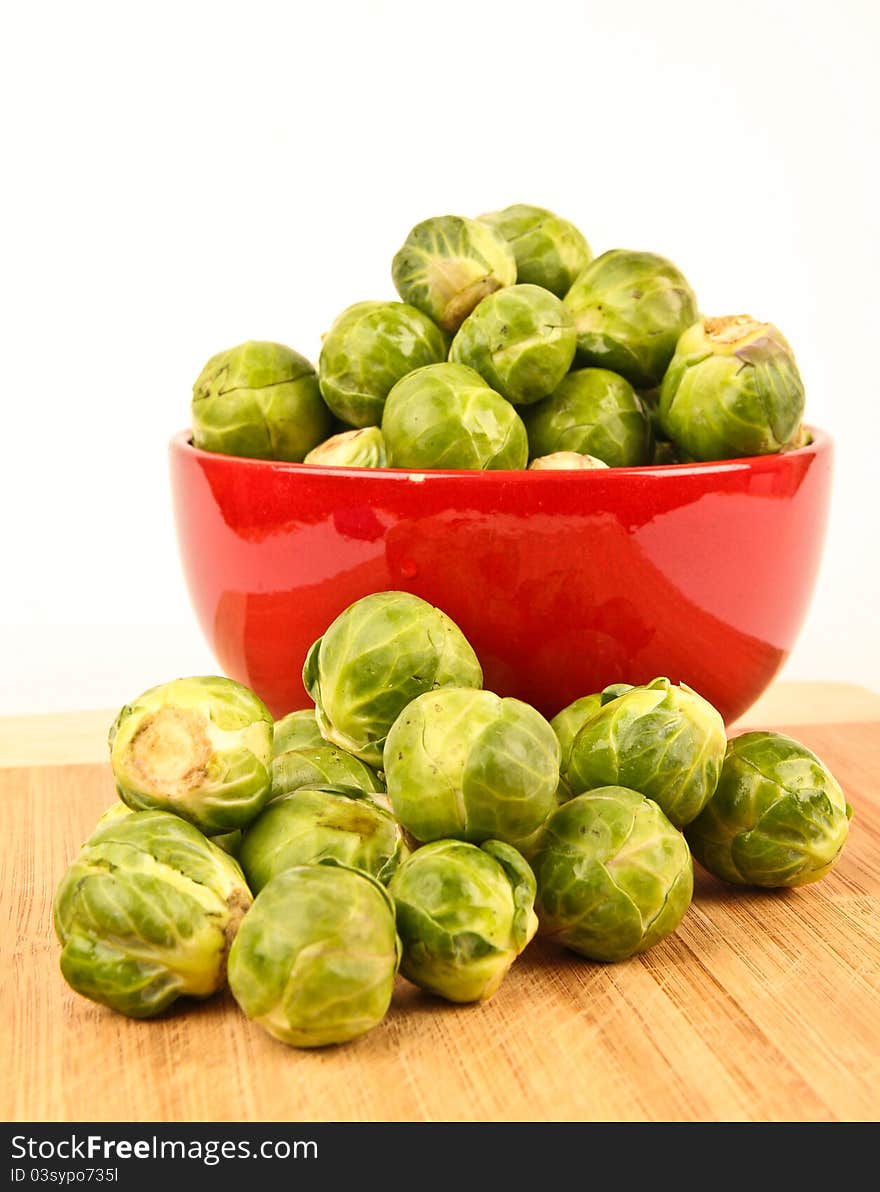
(629, 309)
(521, 340)
(732, 389)
(565, 461)
(198, 747)
(613, 874)
(448, 264)
(464, 914)
(146, 913)
(660, 739)
(446, 416)
(778, 817)
(259, 400)
(377, 656)
(549, 251)
(314, 822)
(315, 958)
(594, 412)
(468, 765)
(370, 346)
(296, 730)
(322, 765)
(364, 448)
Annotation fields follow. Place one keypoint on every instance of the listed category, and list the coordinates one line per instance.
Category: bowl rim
(821, 442)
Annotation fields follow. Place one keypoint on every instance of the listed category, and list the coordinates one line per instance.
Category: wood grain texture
(761, 1007)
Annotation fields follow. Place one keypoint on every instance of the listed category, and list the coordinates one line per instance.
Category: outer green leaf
(549, 251)
(614, 876)
(592, 412)
(469, 765)
(446, 416)
(315, 958)
(259, 400)
(521, 340)
(778, 817)
(378, 655)
(370, 346)
(146, 913)
(660, 739)
(464, 914)
(307, 825)
(732, 389)
(629, 309)
(447, 264)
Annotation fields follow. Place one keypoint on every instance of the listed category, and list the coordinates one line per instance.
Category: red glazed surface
(563, 582)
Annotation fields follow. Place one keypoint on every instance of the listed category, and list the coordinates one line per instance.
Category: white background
(180, 177)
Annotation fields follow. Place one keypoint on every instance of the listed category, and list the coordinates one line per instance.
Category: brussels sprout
(469, 765)
(464, 914)
(198, 747)
(733, 388)
(448, 264)
(614, 876)
(566, 461)
(364, 448)
(260, 400)
(146, 913)
(778, 817)
(296, 730)
(446, 416)
(594, 412)
(521, 340)
(315, 959)
(314, 822)
(629, 309)
(549, 251)
(322, 765)
(370, 346)
(380, 653)
(665, 741)
(612, 691)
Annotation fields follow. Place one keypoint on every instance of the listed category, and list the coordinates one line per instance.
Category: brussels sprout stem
(170, 750)
(730, 328)
(461, 304)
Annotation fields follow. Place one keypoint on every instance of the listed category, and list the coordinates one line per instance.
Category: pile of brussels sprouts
(412, 820)
(512, 344)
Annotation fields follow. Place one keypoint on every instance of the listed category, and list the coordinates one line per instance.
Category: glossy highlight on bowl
(563, 581)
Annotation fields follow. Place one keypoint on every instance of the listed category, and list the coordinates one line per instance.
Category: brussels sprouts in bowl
(562, 581)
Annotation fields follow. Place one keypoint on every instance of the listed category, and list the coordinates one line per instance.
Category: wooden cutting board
(761, 1007)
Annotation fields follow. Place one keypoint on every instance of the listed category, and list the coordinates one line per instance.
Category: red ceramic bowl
(563, 582)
